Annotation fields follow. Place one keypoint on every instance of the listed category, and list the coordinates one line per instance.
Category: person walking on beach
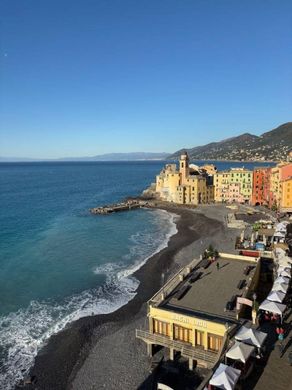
(218, 266)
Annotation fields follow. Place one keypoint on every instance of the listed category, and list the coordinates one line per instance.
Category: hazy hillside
(272, 145)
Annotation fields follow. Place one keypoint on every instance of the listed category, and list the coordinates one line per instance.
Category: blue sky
(80, 78)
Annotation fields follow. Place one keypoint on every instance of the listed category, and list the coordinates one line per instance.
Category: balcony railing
(186, 349)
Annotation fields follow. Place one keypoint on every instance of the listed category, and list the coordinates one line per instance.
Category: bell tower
(184, 167)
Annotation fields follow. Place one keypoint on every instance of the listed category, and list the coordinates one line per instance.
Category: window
(214, 342)
(161, 327)
(199, 338)
(182, 334)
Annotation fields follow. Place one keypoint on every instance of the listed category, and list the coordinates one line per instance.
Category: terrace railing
(186, 349)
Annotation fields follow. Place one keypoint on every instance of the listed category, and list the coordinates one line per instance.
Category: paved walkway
(275, 372)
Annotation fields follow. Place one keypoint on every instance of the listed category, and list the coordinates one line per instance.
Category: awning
(251, 336)
(240, 351)
(281, 279)
(276, 296)
(225, 377)
(283, 287)
(284, 273)
(272, 307)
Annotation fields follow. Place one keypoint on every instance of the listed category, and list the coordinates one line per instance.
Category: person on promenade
(218, 266)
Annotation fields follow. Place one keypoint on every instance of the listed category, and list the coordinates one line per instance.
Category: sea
(58, 262)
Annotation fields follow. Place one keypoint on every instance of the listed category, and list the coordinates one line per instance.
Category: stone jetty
(123, 206)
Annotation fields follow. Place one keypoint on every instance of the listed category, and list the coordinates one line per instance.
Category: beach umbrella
(272, 307)
(284, 273)
(283, 287)
(281, 279)
(276, 296)
(284, 268)
(240, 351)
(251, 336)
(225, 377)
(284, 263)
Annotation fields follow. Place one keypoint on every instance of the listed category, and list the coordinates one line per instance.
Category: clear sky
(86, 77)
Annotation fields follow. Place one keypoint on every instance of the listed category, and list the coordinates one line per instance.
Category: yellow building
(196, 309)
(286, 195)
(184, 186)
(275, 187)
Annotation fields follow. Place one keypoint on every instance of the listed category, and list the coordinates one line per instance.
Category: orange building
(261, 186)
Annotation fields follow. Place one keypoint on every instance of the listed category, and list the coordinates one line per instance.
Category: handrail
(186, 349)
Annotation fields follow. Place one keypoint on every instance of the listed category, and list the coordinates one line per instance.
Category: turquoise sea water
(58, 262)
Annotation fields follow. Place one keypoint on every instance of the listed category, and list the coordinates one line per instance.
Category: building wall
(188, 322)
(180, 187)
(261, 186)
(228, 182)
(274, 187)
(286, 195)
(285, 171)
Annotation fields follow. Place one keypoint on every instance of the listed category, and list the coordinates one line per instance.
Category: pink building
(234, 194)
(285, 171)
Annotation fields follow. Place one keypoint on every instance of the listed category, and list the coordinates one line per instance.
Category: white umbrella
(284, 268)
(284, 263)
(251, 336)
(272, 307)
(240, 351)
(283, 287)
(276, 296)
(281, 279)
(225, 377)
(284, 273)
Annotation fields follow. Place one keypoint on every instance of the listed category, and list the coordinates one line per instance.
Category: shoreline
(58, 363)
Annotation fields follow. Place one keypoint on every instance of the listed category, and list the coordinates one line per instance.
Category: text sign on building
(182, 319)
(200, 323)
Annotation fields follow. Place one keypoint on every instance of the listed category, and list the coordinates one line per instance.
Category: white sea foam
(24, 332)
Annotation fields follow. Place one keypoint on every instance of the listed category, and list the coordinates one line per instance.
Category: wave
(24, 332)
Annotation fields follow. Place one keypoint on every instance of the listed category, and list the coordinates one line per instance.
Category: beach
(102, 351)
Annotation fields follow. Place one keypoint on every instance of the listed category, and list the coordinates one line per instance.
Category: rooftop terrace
(206, 291)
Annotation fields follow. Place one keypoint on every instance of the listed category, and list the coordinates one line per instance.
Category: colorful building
(261, 186)
(234, 185)
(278, 176)
(188, 316)
(185, 186)
(286, 195)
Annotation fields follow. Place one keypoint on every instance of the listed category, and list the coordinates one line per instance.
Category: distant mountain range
(270, 146)
(135, 156)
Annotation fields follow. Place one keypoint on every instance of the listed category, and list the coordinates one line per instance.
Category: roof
(251, 336)
(266, 232)
(225, 377)
(240, 351)
(272, 307)
(207, 296)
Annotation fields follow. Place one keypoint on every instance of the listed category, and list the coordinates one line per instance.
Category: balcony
(186, 349)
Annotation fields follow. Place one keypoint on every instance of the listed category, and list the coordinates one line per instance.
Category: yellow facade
(181, 186)
(286, 195)
(275, 186)
(201, 333)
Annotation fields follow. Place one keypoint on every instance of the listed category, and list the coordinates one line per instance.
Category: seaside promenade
(111, 357)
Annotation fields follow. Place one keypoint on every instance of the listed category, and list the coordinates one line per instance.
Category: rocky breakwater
(123, 206)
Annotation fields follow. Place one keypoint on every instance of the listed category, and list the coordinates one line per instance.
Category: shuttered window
(182, 334)
(199, 338)
(214, 342)
(161, 327)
